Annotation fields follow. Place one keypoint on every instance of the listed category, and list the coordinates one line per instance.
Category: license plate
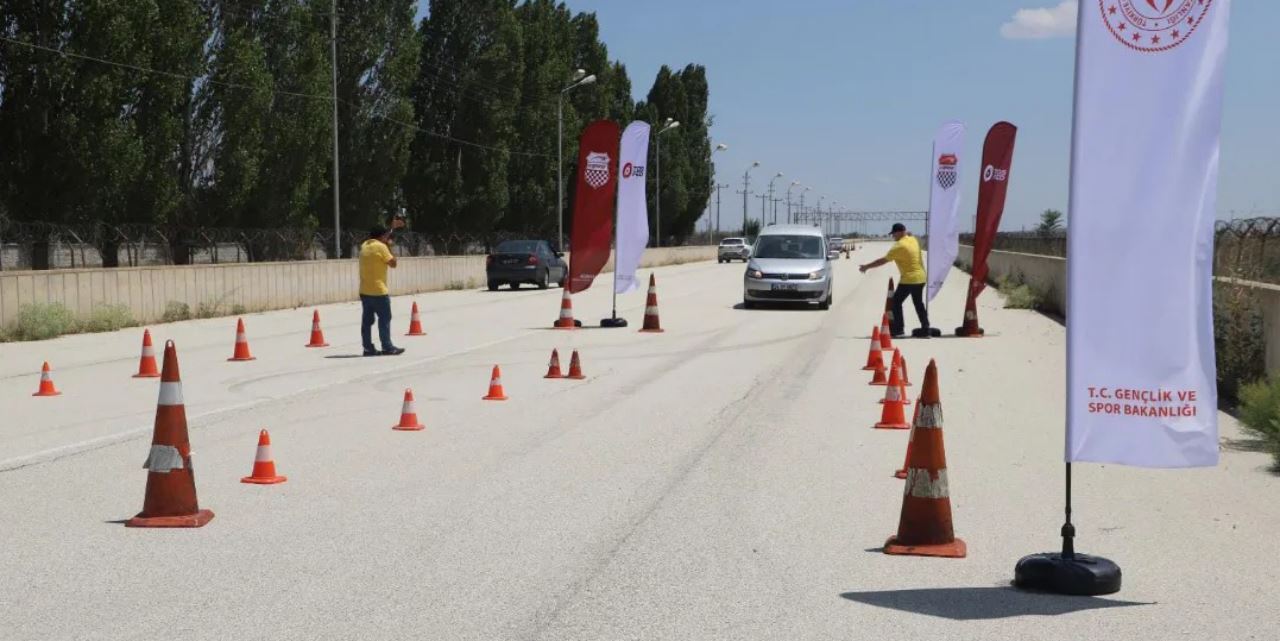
(510, 261)
(784, 287)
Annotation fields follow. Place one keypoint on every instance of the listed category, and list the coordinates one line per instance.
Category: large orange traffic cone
(242, 344)
(408, 415)
(147, 364)
(888, 300)
(46, 383)
(875, 360)
(575, 367)
(566, 312)
(317, 336)
(553, 368)
(651, 322)
(924, 528)
(171, 485)
(496, 393)
(970, 327)
(415, 322)
(886, 335)
(264, 467)
(902, 473)
(892, 415)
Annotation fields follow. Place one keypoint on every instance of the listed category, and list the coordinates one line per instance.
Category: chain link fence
(1246, 248)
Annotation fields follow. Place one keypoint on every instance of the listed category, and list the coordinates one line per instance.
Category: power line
(237, 85)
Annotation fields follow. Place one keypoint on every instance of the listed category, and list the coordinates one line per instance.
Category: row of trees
(218, 113)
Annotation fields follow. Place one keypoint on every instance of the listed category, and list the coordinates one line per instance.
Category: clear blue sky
(844, 95)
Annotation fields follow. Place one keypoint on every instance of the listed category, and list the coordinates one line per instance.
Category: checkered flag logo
(947, 171)
(597, 170)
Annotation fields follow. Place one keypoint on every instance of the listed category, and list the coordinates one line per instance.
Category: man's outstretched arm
(873, 264)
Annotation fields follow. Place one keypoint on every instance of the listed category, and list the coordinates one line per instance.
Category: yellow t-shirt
(374, 256)
(906, 253)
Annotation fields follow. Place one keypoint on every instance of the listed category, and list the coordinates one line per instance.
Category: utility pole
(746, 191)
(764, 198)
(333, 64)
(775, 209)
(718, 188)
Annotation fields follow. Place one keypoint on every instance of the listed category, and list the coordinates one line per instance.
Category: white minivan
(789, 263)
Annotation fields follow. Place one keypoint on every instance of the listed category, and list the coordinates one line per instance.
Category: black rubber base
(920, 332)
(1082, 575)
(613, 322)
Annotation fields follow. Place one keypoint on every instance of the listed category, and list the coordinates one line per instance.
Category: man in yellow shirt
(905, 252)
(375, 296)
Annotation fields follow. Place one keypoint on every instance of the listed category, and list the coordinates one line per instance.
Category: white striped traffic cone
(264, 466)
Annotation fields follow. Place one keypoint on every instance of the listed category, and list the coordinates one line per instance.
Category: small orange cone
(652, 324)
(496, 393)
(892, 415)
(242, 344)
(171, 485)
(901, 369)
(46, 383)
(888, 300)
(415, 322)
(147, 364)
(553, 368)
(878, 375)
(924, 527)
(566, 312)
(875, 360)
(886, 336)
(408, 415)
(317, 336)
(264, 467)
(575, 367)
(906, 380)
(902, 473)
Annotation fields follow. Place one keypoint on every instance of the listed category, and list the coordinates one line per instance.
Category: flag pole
(1066, 572)
(613, 320)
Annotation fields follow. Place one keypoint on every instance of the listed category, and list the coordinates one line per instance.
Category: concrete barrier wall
(1048, 274)
(146, 291)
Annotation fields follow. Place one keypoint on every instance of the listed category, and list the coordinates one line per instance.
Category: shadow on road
(779, 307)
(976, 604)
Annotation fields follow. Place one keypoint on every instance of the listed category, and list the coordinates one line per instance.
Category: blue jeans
(379, 306)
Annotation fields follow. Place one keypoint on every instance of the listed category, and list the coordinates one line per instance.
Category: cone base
(565, 327)
(316, 345)
(266, 480)
(879, 383)
(652, 331)
(871, 368)
(408, 428)
(234, 359)
(199, 519)
(900, 474)
(416, 334)
(141, 375)
(892, 426)
(47, 393)
(977, 333)
(493, 398)
(1082, 575)
(956, 549)
(554, 376)
(905, 401)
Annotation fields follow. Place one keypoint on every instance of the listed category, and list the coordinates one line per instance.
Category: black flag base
(613, 322)
(920, 332)
(1078, 574)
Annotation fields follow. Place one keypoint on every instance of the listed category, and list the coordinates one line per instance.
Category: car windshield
(789, 247)
(518, 247)
(731, 241)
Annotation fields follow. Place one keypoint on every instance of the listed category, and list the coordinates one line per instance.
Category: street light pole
(775, 210)
(668, 126)
(715, 185)
(746, 192)
(580, 78)
(718, 188)
(794, 183)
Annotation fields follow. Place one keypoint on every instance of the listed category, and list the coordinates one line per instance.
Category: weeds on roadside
(1017, 294)
(1260, 414)
(108, 318)
(1238, 339)
(175, 311)
(43, 321)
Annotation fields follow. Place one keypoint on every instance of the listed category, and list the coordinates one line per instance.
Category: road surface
(717, 481)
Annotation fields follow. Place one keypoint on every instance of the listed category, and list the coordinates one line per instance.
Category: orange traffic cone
(415, 322)
(906, 380)
(496, 393)
(878, 376)
(902, 473)
(171, 485)
(924, 528)
(892, 416)
(317, 336)
(242, 344)
(264, 467)
(900, 366)
(886, 336)
(651, 322)
(875, 360)
(888, 300)
(147, 364)
(46, 383)
(553, 368)
(408, 415)
(575, 367)
(566, 312)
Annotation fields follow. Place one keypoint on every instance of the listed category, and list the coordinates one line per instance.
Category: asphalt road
(717, 481)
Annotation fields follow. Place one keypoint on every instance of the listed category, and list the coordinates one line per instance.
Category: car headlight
(755, 273)
(815, 275)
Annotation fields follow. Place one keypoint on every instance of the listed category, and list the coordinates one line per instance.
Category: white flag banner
(1141, 380)
(944, 204)
(633, 211)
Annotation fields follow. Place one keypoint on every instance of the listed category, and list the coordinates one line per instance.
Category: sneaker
(372, 352)
(394, 351)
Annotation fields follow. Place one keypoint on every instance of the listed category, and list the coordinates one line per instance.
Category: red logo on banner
(1153, 25)
(626, 170)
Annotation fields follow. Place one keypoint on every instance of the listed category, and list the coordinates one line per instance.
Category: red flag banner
(997, 158)
(593, 202)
